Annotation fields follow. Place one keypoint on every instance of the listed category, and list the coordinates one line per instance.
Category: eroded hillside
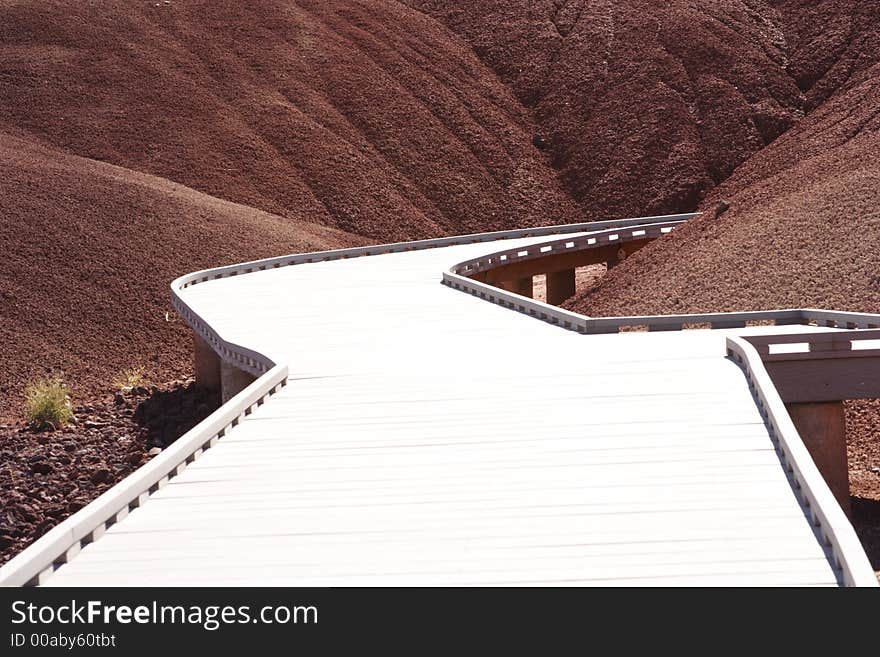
(647, 106)
(369, 117)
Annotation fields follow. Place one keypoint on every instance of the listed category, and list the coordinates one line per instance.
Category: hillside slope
(803, 228)
(88, 251)
(369, 117)
(647, 106)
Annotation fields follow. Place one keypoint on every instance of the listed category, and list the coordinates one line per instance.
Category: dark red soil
(46, 476)
(863, 443)
(804, 221)
(863, 448)
(802, 230)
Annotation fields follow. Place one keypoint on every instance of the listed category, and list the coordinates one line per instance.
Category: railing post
(617, 258)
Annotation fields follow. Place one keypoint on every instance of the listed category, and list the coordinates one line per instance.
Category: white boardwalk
(428, 437)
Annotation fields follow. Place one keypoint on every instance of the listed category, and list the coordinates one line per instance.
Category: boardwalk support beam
(813, 374)
(617, 258)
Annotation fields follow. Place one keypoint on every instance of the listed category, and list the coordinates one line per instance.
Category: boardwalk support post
(822, 427)
(207, 364)
(233, 381)
(523, 286)
(560, 286)
(617, 258)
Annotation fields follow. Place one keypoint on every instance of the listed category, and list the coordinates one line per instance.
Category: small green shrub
(130, 378)
(48, 403)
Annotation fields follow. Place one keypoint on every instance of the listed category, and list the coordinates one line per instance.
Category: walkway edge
(809, 485)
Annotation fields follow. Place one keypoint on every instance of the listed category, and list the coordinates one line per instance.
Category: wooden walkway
(427, 437)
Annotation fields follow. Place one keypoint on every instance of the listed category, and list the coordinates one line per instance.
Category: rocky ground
(48, 475)
(864, 447)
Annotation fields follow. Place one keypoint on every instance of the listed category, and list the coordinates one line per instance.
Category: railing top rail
(840, 340)
(592, 325)
(456, 277)
(857, 343)
(605, 237)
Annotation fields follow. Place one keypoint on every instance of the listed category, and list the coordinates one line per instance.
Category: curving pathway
(427, 437)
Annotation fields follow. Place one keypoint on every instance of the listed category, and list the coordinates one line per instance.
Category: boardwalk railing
(842, 344)
(458, 277)
(33, 565)
(614, 237)
(822, 366)
(826, 515)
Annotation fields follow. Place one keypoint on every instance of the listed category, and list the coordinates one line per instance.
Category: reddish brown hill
(648, 105)
(88, 250)
(370, 117)
(803, 229)
(828, 43)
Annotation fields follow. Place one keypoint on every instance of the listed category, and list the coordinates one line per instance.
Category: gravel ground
(48, 475)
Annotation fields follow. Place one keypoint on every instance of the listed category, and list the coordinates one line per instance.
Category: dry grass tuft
(130, 378)
(48, 404)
